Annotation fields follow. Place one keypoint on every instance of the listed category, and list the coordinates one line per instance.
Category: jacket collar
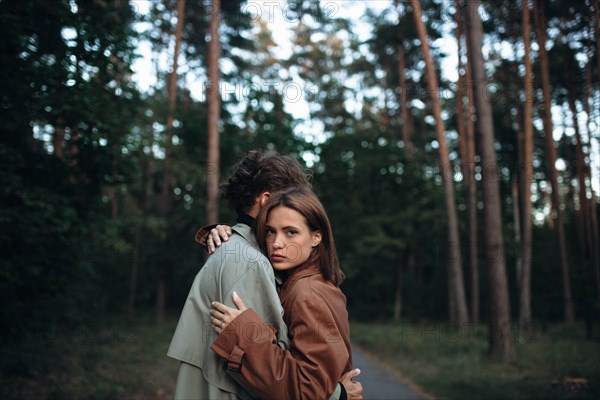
(303, 271)
(246, 232)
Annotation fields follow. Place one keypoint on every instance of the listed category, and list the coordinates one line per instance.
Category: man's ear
(316, 238)
(263, 198)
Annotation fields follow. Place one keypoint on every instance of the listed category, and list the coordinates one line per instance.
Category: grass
(112, 360)
(453, 364)
(120, 360)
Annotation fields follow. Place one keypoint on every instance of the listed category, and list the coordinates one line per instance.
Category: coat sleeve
(257, 288)
(310, 369)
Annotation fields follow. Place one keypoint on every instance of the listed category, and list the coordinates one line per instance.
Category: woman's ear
(316, 238)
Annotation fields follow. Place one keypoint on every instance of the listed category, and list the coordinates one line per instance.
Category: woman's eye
(291, 233)
(269, 231)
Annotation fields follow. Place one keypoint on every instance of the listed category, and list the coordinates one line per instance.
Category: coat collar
(303, 271)
(246, 232)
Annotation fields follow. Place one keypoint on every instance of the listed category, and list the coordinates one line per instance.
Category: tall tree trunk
(402, 259)
(570, 203)
(172, 90)
(518, 183)
(146, 168)
(502, 345)
(526, 174)
(593, 270)
(161, 300)
(469, 165)
(593, 200)
(135, 266)
(58, 141)
(516, 201)
(586, 205)
(460, 95)
(114, 189)
(581, 167)
(540, 24)
(214, 107)
(165, 199)
(406, 127)
(597, 33)
(455, 275)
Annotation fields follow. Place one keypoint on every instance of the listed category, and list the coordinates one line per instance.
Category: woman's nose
(277, 245)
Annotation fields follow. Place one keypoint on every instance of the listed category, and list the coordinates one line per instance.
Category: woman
(295, 233)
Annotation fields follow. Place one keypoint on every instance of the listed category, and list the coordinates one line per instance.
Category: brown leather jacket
(317, 320)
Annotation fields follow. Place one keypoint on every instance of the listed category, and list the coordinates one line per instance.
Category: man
(238, 265)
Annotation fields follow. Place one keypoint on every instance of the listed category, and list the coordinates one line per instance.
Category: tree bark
(455, 275)
(460, 95)
(581, 167)
(161, 300)
(518, 183)
(593, 200)
(406, 128)
(526, 175)
(402, 259)
(516, 201)
(147, 183)
(172, 90)
(58, 141)
(502, 345)
(586, 205)
(165, 196)
(214, 106)
(540, 25)
(165, 199)
(114, 189)
(597, 33)
(469, 171)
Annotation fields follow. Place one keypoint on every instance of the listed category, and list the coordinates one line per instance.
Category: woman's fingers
(222, 308)
(223, 231)
(237, 300)
(221, 315)
(216, 237)
(216, 323)
(210, 246)
(219, 321)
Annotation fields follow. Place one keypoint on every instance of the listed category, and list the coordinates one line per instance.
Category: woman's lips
(277, 258)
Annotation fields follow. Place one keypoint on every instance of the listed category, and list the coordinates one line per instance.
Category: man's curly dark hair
(257, 173)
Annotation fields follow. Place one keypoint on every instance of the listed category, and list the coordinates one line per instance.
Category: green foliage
(382, 206)
(82, 160)
(85, 369)
(64, 69)
(452, 363)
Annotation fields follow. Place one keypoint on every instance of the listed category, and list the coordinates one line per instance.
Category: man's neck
(245, 219)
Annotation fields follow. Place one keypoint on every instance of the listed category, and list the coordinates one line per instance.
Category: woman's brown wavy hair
(308, 205)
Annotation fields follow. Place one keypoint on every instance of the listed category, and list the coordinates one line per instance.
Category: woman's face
(288, 238)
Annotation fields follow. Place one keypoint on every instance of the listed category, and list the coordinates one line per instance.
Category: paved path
(379, 381)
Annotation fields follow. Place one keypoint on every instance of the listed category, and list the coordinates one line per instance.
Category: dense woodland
(469, 201)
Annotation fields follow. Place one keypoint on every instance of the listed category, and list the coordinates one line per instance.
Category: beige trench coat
(238, 265)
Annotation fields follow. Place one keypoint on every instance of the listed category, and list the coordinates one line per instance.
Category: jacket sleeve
(257, 289)
(310, 369)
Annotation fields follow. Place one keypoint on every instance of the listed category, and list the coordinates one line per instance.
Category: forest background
(467, 197)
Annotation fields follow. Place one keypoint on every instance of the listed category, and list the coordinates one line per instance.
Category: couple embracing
(265, 317)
